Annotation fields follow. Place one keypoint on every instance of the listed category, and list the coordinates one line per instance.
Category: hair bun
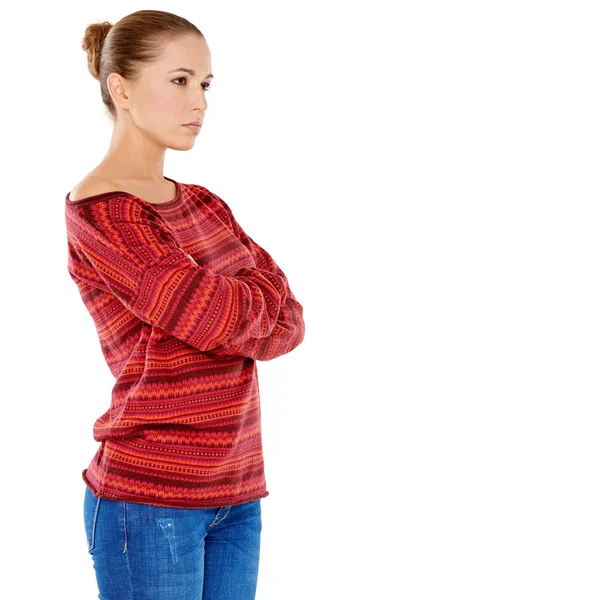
(92, 42)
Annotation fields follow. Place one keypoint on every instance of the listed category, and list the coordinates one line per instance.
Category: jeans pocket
(90, 514)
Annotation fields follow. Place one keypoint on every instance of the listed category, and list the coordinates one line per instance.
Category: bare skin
(151, 113)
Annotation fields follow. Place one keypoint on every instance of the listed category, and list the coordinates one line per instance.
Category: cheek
(160, 108)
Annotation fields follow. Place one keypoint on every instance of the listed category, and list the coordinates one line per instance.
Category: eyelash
(206, 89)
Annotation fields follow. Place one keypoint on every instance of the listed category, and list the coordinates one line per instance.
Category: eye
(206, 86)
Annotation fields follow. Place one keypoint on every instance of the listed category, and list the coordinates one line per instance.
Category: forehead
(189, 51)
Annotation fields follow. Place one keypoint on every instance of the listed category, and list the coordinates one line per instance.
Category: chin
(181, 142)
(179, 145)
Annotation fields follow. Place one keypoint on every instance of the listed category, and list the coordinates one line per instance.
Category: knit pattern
(184, 303)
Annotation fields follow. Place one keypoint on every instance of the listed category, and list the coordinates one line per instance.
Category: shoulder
(97, 194)
(211, 199)
(99, 205)
(93, 185)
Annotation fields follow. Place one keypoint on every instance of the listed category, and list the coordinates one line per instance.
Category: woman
(184, 302)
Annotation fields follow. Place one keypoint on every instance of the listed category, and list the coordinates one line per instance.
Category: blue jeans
(144, 552)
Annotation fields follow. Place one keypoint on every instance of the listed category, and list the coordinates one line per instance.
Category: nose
(200, 102)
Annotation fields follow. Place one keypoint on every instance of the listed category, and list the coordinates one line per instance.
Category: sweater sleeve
(289, 329)
(139, 259)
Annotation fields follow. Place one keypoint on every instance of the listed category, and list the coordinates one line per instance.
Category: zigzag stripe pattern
(184, 303)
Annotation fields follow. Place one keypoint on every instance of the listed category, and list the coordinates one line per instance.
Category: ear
(117, 88)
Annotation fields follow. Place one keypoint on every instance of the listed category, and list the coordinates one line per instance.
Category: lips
(196, 123)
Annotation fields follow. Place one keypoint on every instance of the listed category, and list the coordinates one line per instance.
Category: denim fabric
(143, 552)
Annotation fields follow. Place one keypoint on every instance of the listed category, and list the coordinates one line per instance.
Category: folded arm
(289, 329)
(141, 263)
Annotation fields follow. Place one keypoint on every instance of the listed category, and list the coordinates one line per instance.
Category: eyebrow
(191, 72)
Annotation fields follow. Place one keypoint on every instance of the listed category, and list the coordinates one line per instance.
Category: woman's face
(169, 93)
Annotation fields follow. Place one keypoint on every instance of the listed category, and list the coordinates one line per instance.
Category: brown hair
(135, 39)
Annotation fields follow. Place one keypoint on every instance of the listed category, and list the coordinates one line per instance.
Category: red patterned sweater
(184, 303)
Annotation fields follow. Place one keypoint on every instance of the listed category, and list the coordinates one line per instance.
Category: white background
(426, 175)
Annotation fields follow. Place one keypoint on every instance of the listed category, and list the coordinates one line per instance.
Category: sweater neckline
(170, 203)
